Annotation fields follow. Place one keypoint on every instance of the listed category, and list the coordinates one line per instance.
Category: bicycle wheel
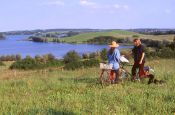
(105, 77)
(124, 74)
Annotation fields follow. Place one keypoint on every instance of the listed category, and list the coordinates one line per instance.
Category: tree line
(2, 36)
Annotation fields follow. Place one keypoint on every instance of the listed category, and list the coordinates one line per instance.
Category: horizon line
(85, 29)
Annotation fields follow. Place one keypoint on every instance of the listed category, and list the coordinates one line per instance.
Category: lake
(16, 44)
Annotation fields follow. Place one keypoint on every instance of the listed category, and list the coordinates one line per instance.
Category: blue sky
(101, 14)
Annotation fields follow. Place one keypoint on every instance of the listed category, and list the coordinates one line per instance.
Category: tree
(103, 54)
(135, 36)
(85, 56)
(2, 36)
(71, 56)
(18, 57)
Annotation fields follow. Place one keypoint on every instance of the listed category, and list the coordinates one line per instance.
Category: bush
(85, 56)
(103, 54)
(37, 63)
(73, 65)
(91, 63)
(172, 46)
(2, 64)
(93, 55)
(71, 56)
(10, 57)
(2, 37)
(81, 64)
(166, 53)
(49, 57)
(27, 63)
(18, 57)
(162, 53)
(126, 54)
(105, 40)
(135, 36)
(38, 39)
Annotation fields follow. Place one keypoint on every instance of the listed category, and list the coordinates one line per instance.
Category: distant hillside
(153, 31)
(84, 37)
(29, 32)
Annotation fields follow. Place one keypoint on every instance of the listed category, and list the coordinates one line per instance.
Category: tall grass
(79, 92)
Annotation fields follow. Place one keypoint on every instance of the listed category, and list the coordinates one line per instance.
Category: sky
(94, 14)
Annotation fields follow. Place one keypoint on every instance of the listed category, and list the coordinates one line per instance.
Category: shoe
(161, 82)
(112, 82)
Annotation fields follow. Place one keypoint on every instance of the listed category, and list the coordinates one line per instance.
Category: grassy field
(86, 36)
(115, 33)
(79, 92)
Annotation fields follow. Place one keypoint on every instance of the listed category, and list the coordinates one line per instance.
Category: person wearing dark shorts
(139, 59)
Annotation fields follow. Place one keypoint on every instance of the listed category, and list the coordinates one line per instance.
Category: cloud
(87, 3)
(168, 11)
(56, 2)
(126, 7)
(117, 6)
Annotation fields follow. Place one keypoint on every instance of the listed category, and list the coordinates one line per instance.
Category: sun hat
(114, 44)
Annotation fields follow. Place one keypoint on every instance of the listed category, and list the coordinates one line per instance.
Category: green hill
(86, 36)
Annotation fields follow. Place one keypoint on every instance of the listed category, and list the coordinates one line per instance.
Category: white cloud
(88, 3)
(111, 8)
(168, 11)
(126, 7)
(56, 2)
(117, 6)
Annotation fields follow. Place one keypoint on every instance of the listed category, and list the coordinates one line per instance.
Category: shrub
(172, 46)
(92, 55)
(10, 57)
(36, 63)
(166, 53)
(103, 54)
(27, 63)
(81, 64)
(71, 56)
(48, 57)
(91, 63)
(54, 63)
(126, 54)
(18, 57)
(73, 65)
(56, 40)
(105, 40)
(85, 56)
(38, 39)
(135, 36)
(1, 63)
(162, 53)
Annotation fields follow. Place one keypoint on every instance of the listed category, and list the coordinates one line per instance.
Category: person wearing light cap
(114, 59)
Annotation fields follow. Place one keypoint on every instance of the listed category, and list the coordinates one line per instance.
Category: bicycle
(108, 76)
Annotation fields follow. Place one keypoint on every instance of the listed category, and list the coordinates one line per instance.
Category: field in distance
(115, 33)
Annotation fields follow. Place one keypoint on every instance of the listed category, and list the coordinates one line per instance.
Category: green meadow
(81, 38)
(86, 36)
(57, 91)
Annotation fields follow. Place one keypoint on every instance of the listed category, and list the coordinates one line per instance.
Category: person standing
(114, 59)
(139, 59)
